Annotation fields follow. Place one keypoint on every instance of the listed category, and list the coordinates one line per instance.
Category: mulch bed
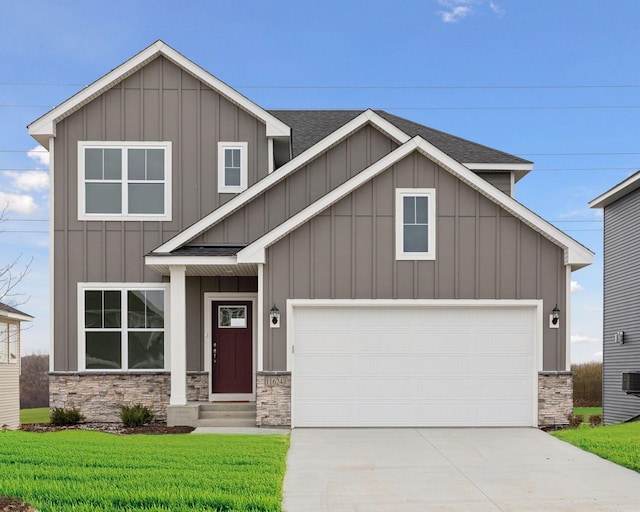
(13, 505)
(111, 428)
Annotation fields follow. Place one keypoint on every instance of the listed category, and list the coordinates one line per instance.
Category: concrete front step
(227, 414)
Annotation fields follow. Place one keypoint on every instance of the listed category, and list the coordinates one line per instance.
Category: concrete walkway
(470, 470)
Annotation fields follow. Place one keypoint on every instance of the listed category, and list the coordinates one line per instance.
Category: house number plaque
(275, 381)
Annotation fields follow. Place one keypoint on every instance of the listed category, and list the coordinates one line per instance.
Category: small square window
(232, 317)
(232, 167)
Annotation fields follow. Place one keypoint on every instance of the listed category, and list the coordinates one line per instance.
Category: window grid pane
(415, 228)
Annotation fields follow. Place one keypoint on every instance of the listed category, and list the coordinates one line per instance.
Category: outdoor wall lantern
(274, 317)
(554, 318)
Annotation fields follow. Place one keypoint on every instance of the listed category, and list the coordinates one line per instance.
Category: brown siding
(158, 102)
(302, 188)
(348, 252)
(500, 180)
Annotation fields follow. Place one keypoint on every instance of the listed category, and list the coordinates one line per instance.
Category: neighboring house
(621, 328)
(347, 268)
(10, 319)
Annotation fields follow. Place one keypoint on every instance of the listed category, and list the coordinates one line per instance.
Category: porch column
(178, 335)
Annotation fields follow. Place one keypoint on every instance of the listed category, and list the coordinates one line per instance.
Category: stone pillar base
(273, 399)
(555, 398)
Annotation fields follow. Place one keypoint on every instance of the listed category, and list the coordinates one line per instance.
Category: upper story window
(415, 224)
(124, 180)
(122, 327)
(232, 167)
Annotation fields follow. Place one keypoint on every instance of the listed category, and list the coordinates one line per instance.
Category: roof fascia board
(256, 251)
(45, 125)
(23, 317)
(498, 167)
(368, 116)
(190, 260)
(620, 190)
(575, 254)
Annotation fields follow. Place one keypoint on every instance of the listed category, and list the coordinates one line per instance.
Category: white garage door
(414, 366)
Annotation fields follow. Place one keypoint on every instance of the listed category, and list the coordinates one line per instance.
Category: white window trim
(122, 287)
(244, 164)
(125, 145)
(430, 193)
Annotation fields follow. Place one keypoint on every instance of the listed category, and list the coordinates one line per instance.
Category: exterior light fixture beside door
(554, 318)
(274, 317)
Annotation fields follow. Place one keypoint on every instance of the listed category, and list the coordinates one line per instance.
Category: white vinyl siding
(414, 365)
(123, 327)
(232, 167)
(415, 224)
(124, 180)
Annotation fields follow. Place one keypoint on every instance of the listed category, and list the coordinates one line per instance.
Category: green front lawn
(617, 443)
(40, 415)
(587, 411)
(83, 471)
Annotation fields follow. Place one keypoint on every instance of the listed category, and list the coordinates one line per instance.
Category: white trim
(124, 180)
(430, 194)
(499, 167)
(537, 305)
(123, 288)
(190, 260)
(45, 127)
(620, 190)
(209, 299)
(244, 162)
(567, 318)
(260, 320)
(52, 226)
(20, 317)
(367, 117)
(575, 254)
(255, 252)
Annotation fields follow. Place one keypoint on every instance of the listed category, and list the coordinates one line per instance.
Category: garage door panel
(414, 366)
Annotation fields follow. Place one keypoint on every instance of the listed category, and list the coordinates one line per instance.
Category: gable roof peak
(43, 128)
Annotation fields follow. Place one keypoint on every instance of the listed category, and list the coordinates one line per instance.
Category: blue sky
(554, 82)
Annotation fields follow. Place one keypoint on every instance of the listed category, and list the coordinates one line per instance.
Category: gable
(575, 254)
(44, 128)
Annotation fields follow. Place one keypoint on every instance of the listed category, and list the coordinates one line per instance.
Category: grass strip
(91, 471)
(39, 415)
(617, 443)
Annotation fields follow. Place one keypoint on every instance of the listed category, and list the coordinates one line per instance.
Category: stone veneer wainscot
(555, 398)
(273, 399)
(99, 395)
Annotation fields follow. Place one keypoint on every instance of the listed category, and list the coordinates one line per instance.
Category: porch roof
(202, 260)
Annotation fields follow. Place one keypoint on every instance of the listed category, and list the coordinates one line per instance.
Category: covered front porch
(216, 323)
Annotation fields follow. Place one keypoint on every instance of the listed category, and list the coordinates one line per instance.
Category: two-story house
(312, 268)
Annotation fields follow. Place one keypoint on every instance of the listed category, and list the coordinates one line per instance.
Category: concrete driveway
(471, 470)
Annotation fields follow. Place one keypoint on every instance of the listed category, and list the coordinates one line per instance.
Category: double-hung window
(232, 167)
(123, 327)
(415, 224)
(124, 180)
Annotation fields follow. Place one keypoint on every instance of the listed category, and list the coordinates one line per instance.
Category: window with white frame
(123, 328)
(9, 343)
(124, 180)
(415, 224)
(232, 167)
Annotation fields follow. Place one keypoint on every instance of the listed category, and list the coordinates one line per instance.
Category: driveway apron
(463, 469)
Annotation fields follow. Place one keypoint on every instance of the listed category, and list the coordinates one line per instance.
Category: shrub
(575, 420)
(595, 420)
(64, 417)
(135, 415)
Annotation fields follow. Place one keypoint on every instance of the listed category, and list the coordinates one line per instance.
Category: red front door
(232, 347)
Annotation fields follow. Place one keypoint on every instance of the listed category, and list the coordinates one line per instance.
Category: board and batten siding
(348, 252)
(500, 180)
(621, 305)
(159, 102)
(302, 188)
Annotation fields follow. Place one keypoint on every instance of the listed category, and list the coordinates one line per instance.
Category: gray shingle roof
(310, 126)
(207, 250)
